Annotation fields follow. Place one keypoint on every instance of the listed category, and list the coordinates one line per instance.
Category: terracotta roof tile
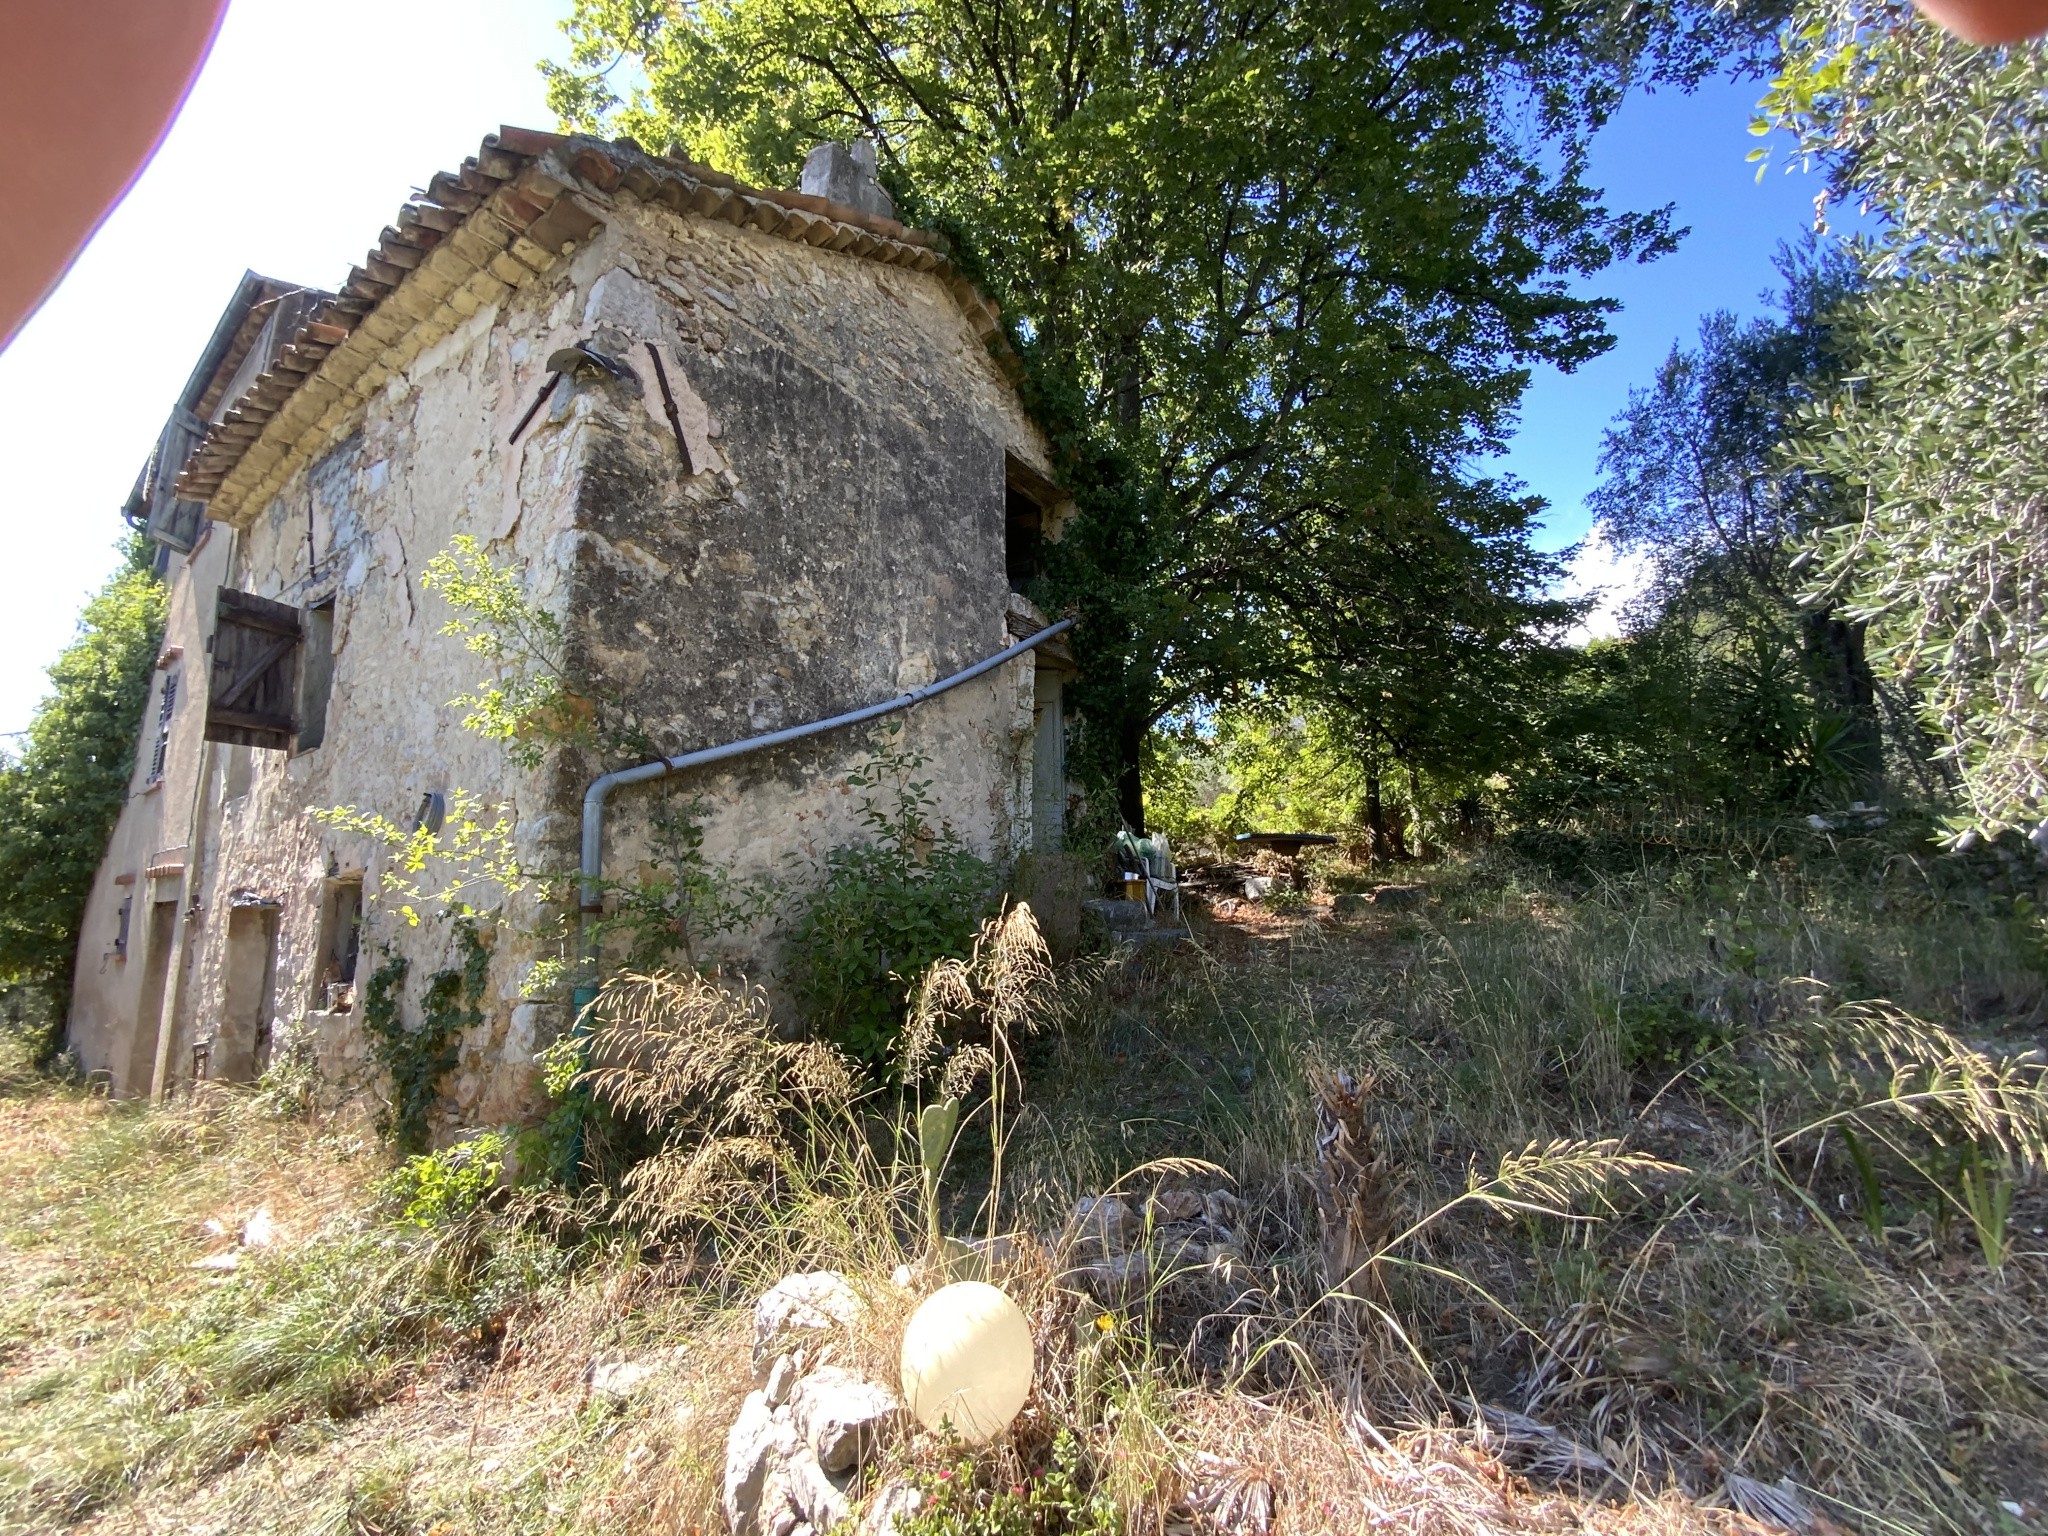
(509, 212)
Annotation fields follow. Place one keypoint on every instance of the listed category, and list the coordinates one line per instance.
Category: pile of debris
(794, 1455)
(1120, 1249)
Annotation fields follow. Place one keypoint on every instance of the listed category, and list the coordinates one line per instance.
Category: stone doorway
(241, 1050)
(149, 1006)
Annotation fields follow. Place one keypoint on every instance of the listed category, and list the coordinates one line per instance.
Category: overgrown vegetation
(188, 1286)
(1934, 427)
(417, 1056)
(1715, 1179)
(909, 894)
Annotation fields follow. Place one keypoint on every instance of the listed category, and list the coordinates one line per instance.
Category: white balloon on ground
(967, 1361)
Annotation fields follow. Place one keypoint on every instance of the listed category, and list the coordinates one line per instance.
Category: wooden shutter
(167, 519)
(255, 675)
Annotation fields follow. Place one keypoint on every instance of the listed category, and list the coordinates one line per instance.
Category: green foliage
(678, 899)
(59, 798)
(1316, 766)
(1937, 426)
(887, 908)
(1275, 272)
(1239, 770)
(1726, 691)
(530, 704)
(467, 866)
(418, 1058)
(438, 1189)
(1684, 713)
(1054, 1502)
(1985, 1191)
(1665, 1028)
(936, 1124)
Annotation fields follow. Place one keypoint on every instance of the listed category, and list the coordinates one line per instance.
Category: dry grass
(1611, 1291)
(1725, 1327)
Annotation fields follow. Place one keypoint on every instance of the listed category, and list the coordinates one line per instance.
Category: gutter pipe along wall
(592, 898)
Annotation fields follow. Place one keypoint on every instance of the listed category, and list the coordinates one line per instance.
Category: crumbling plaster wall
(427, 462)
(839, 542)
(106, 1030)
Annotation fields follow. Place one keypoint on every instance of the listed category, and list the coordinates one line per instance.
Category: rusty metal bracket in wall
(668, 406)
(592, 895)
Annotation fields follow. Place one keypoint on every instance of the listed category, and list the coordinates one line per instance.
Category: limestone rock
(1221, 1209)
(819, 1497)
(1116, 1279)
(1401, 898)
(800, 1308)
(841, 1417)
(1171, 1205)
(617, 1379)
(754, 1445)
(1102, 1223)
(893, 1503)
(781, 1380)
(260, 1230)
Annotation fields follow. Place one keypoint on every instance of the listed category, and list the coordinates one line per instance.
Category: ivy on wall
(417, 1059)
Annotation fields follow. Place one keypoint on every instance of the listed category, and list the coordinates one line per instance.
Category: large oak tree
(1279, 269)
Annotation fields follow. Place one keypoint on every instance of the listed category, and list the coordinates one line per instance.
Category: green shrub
(437, 1189)
(1051, 1502)
(1666, 1029)
(62, 788)
(887, 908)
(417, 1059)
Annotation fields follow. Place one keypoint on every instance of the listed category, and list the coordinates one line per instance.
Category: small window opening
(1023, 537)
(341, 943)
(167, 705)
(316, 679)
(121, 932)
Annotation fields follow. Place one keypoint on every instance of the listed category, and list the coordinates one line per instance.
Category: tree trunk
(1841, 672)
(1415, 809)
(1375, 813)
(1130, 780)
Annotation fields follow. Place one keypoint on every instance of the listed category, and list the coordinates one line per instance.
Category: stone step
(1127, 922)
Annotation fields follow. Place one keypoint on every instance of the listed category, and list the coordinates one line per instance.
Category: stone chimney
(846, 174)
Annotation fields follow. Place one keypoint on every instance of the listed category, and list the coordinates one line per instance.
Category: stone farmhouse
(760, 453)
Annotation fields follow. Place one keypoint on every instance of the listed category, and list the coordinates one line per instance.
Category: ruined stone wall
(117, 987)
(838, 542)
(830, 535)
(427, 462)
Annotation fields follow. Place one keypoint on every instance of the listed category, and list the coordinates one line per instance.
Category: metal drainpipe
(592, 896)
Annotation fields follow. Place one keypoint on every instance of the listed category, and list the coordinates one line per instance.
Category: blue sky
(1668, 148)
(300, 193)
